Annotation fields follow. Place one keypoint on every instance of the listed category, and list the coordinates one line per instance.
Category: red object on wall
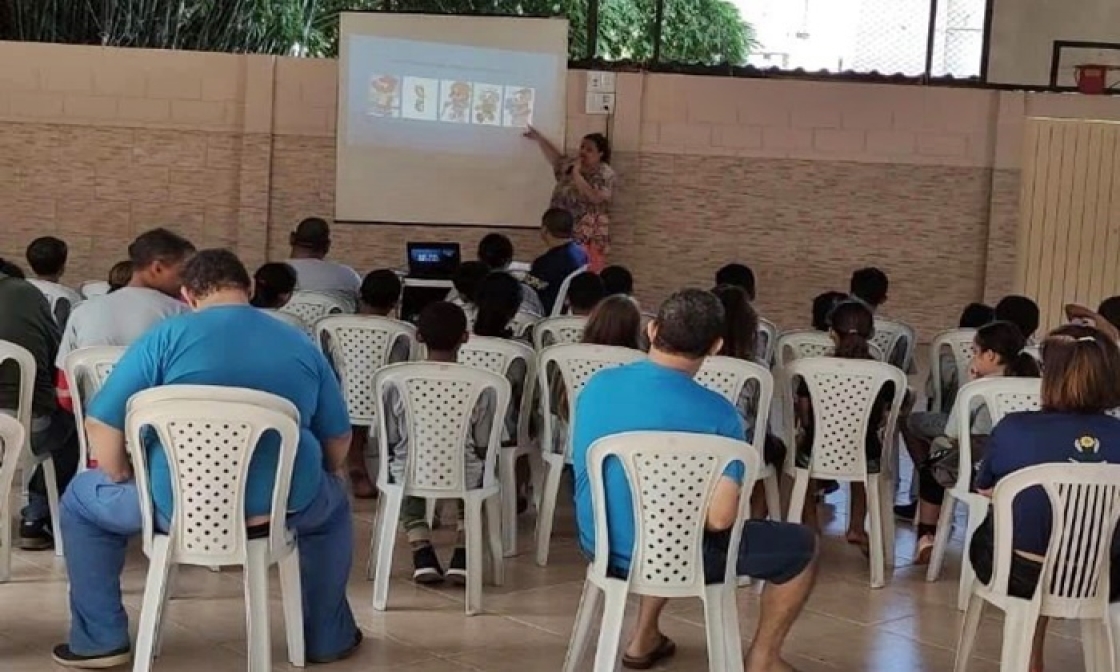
(1091, 78)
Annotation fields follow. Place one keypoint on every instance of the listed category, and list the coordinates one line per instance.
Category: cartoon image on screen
(420, 98)
(487, 108)
(455, 102)
(519, 106)
(385, 96)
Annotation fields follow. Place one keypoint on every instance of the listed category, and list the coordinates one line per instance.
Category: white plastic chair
(209, 442)
(1074, 581)
(843, 393)
(25, 361)
(794, 345)
(560, 306)
(1000, 396)
(500, 355)
(522, 323)
(576, 362)
(94, 288)
(314, 306)
(86, 371)
(559, 331)
(359, 345)
(728, 376)
(959, 343)
(290, 318)
(673, 477)
(890, 335)
(13, 436)
(767, 340)
(439, 400)
(57, 294)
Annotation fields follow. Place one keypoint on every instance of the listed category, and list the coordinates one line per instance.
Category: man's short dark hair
(976, 315)
(585, 292)
(215, 270)
(1109, 309)
(47, 255)
(468, 277)
(9, 269)
(381, 289)
(158, 245)
(737, 275)
(558, 222)
(689, 324)
(312, 234)
(870, 285)
(1020, 311)
(496, 251)
(442, 325)
(823, 304)
(617, 280)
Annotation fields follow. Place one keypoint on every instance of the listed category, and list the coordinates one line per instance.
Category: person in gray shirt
(311, 242)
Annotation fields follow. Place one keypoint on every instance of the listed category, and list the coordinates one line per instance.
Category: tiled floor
(909, 625)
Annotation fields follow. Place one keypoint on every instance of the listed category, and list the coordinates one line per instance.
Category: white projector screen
(431, 116)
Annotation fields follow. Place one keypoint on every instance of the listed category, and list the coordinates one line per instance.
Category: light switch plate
(600, 82)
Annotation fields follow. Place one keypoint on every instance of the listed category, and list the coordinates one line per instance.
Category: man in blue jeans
(225, 342)
(659, 394)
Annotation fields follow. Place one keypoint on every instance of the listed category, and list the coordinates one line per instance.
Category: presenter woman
(584, 187)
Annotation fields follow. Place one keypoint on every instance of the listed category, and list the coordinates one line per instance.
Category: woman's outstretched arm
(551, 153)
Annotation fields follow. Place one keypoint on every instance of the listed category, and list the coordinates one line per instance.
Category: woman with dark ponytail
(997, 350)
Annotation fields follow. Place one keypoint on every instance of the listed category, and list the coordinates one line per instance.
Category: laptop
(433, 261)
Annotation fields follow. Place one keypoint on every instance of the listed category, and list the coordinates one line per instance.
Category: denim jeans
(100, 516)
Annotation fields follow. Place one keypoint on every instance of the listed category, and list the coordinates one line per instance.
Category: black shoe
(36, 535)
(427, 570)
(457, 570)
(66, 658)
(338, 656)
(906, 511)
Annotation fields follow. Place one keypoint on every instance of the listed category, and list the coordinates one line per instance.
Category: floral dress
(592, 222)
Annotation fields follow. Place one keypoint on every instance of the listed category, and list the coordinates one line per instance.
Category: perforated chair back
(794, 345)
(576, 363)
(562, 330)
(958, 344)
(13, 438)
(291, 319)
(500, 356)
(87, 369)
(439, 401)
(729, 377)
(359, 345)
(523, 322)
(1085, 505)
(1000, 396)
(767, 340)
(560, 306)
(673, 477)
(94, 288)
(25, 361)
(314, 306)
(844, 393)
(891, 337)
(209, 443)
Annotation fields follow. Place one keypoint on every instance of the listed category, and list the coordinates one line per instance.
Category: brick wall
(803, 180)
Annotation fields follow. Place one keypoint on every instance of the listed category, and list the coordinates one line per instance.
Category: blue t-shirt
(1031, 438)
(235, 346)
(551, 268)
(637, 397)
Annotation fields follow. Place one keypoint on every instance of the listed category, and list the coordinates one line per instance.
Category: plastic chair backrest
(560, 306)
(767, 339)
(499, 355)
(673, 476)
(558, 331)
(86, 371)
(314, 306)
(290, 318)
(94, 288)
(728, 376)
(794, 345)
(843, 392)
(439, 401)
(1001, 396)
(523, 322)
(890, 335)
(577, 362)
(359, 345)
(959, 343)
(209, 443)
(1085, 506)
(13, 436)
(27, 372)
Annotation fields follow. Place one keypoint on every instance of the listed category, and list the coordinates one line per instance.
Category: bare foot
(770, 665)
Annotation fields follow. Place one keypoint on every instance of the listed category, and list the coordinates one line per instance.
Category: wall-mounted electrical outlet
(600, 103)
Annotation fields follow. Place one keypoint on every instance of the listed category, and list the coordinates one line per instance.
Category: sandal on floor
(663, 651)
(925, 550)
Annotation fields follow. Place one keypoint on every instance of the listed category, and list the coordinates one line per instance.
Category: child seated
(466, 281)
(617, 280)
(380, 293)
(273, 286)
(120, 275)
(442, 327)
(974, 316)
(737, 275)
(584, 293)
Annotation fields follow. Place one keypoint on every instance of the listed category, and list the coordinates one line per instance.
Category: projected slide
(450, 98)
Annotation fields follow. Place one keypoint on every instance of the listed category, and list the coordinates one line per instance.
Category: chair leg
(548, 511)
(381, 546)
(715, 628)
(1018, 638)
(50, 477)
(772, 486)
(156, 592)
(610, 629)
(875, 513)
(492, 508)
(968, 574)
(585, 616)
(170, 592)
(256, 608)
(475, 564)
(291, 594)
(5, 540)
(969, 627)
(941, 540)
(798, 496)
(732, 638)
(507, 462)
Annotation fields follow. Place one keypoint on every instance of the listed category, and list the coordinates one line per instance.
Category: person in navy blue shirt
(659, 394)
(564, 257)
(1080, 374)
(226, 342)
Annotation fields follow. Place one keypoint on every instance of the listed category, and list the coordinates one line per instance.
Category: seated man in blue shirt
(225, 342)
(563, 258)
(659, 394)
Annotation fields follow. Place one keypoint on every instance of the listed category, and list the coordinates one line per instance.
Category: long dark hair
(602, 144)
(497, 297)
(615, 321)
(740, 323)
(1005, 339)
(852, 325)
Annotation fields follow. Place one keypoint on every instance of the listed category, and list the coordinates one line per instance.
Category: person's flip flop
(663, 651)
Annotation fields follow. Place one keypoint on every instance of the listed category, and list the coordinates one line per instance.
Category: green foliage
(695, 31)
